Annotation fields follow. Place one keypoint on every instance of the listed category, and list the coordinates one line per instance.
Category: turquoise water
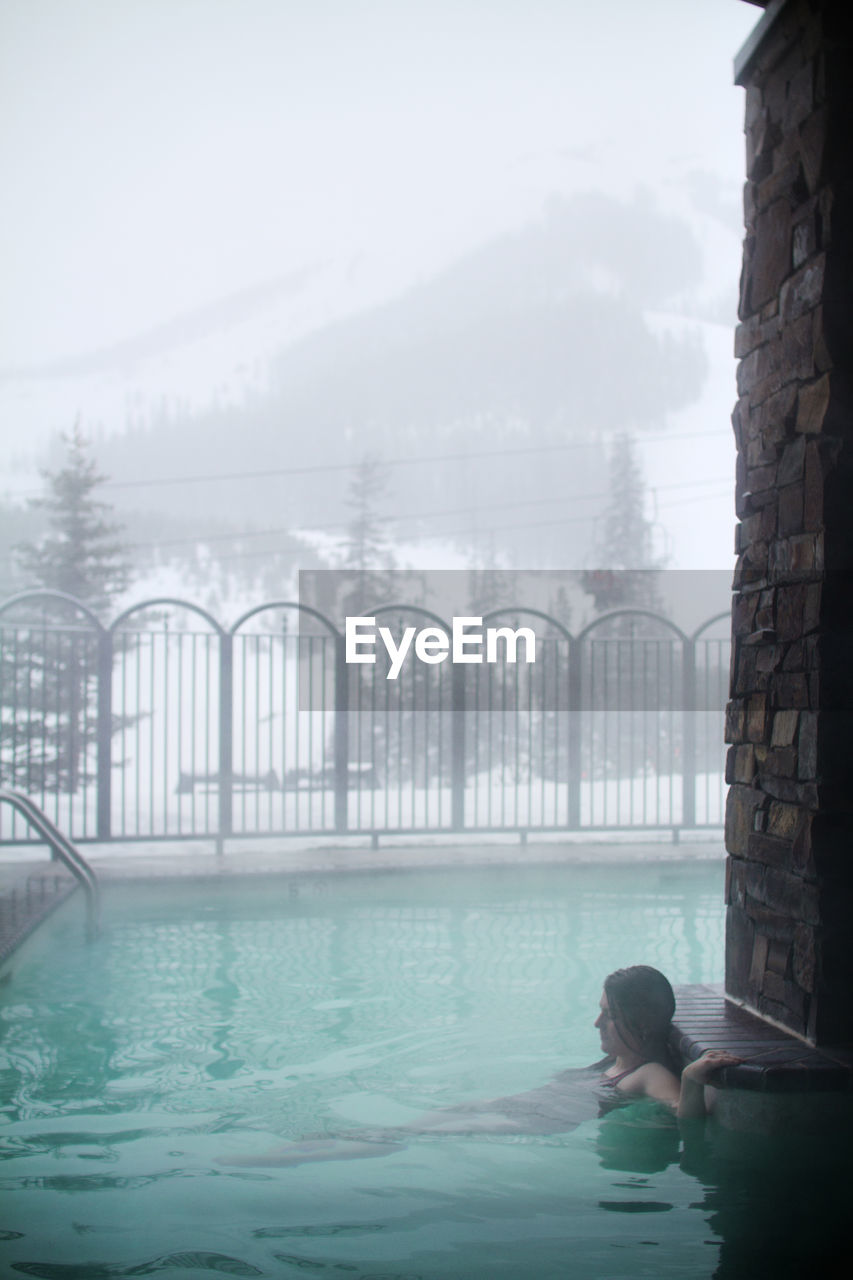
(214, 1022)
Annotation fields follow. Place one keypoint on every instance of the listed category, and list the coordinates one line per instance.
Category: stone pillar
(789, 820)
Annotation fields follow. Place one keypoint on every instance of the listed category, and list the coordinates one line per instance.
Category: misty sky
(161, 154)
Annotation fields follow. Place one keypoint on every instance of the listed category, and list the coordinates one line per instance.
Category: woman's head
(641, 1003)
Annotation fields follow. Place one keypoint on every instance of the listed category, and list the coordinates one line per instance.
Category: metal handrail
(62, 848)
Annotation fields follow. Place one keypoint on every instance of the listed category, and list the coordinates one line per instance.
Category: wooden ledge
(775, 1061)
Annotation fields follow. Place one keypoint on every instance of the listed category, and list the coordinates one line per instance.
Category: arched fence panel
(632, 668)
(168, 725)
(50, 714)
(403, 731)
(284, 722)
(518, 740)
(166, 677)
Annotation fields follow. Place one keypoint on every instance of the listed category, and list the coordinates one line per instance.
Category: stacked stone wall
(789, 825)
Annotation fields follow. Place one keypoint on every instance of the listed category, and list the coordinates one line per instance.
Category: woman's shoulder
(655, 1081)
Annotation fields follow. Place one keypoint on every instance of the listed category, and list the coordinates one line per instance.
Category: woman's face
(611, 1037)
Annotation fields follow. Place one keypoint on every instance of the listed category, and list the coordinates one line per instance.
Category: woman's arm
(694, 1077)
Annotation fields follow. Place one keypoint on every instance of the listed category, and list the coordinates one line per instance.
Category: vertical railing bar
(574, 718)
(457, 748)
(342, 714)
(153, 704)
(226, 742)
(103, 787)
(688, 803)
(287, 793)
(166, 726)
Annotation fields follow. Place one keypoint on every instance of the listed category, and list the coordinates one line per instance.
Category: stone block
(778, 955)
(792, 462)
(812, 607)
(784, 728)
(798, 349)
(753, 106)
(812, 147)
(768, 658)
(785, 182)
(760, 478)
(779, 559)
(803, 291)
(740, 934)
(809, 655)
(806, 553)
(775, 418)
(802, 853)
(793, 660)
(758, 960)
(785, 994)
(790, 603)
(767, 850)
(807, 745)
(766, 920)
(744, 674)
(740, 763)
(789, 789)
(740, 421)
(765, 614)
(747, 372)
(800, 98)
(760, 139)
(790, 690)
(743, 613)
(748, 336)
(790, 514)
(803, 241)
(760, 452)
(735, 881)
(804, 956)
(813, 481)
(771, 261)
(756, 717)
(812, 405)
(782, 762)
(742, 804)
(735, 724)
(788, 895)
(783, 820)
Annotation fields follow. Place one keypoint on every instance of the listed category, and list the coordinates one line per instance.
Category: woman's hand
(691, 1102)
(704, 1067)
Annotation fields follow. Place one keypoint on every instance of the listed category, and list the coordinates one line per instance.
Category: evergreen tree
(629, 564)
(367, 542)
(48, 660)
(81, 553)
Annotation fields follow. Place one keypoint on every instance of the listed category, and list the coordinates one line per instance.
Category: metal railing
(61, 848)
(166, 724)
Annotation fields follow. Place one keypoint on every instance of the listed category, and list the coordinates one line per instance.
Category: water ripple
(184, 1261)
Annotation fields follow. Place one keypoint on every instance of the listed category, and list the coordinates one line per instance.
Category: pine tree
(367, 543)
(49, 661)
(81, 553)
(629, 565)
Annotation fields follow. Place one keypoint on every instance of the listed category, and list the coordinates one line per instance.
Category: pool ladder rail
(63, 850)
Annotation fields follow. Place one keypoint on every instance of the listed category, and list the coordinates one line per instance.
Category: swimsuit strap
(612, 1081)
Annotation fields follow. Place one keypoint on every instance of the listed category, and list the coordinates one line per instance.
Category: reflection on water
(202, 1026)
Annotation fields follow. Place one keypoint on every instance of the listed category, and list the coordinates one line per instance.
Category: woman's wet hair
(641, 1002)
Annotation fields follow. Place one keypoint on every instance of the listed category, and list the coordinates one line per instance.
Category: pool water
(211, 1022)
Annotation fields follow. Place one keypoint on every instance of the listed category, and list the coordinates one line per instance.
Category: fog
(262, 240)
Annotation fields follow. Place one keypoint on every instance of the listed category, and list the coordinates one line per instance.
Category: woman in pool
(634, 1020)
